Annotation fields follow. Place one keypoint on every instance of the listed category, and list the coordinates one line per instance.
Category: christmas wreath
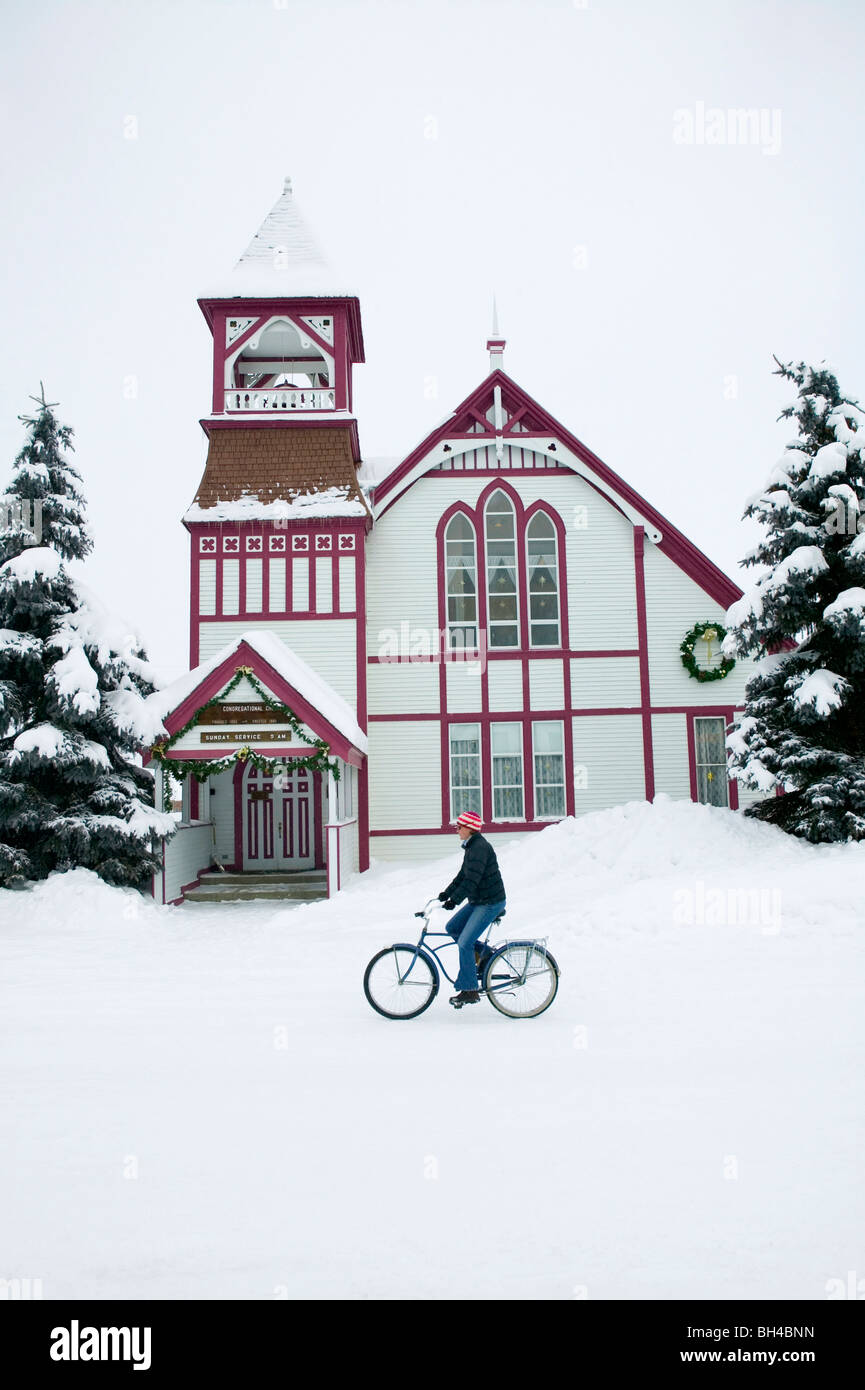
(708, 633)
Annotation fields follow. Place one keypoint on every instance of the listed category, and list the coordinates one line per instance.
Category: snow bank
(229, 1052)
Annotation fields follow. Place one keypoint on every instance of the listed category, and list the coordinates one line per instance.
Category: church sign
(236, 712)
(241, 736)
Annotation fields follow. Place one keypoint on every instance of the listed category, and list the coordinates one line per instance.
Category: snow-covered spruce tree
(73, 684)
(803, 729)
(43, 504)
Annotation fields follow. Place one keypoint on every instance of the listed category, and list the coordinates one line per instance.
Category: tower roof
(283, 260)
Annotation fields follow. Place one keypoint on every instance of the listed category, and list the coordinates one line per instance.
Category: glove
(448, 904)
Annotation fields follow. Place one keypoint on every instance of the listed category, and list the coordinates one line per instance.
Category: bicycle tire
(380, 990)
(544, 966)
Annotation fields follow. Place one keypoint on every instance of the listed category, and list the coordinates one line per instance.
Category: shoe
(465, 996)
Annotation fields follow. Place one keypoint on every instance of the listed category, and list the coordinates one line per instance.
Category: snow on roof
(282, 260)
(375, 468)
(331, 501)
(308, 683)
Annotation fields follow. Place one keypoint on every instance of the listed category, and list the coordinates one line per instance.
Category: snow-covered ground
(199, 1102)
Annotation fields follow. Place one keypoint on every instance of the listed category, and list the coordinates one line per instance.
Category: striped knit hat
(469, 819)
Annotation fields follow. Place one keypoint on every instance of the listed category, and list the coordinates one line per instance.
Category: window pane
(461, 571)
(503, 612)
(465, 766)
(549, 736)
(507, 768)
(543, 577)
(709, 744)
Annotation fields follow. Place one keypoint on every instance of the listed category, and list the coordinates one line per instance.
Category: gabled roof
(283, 672)
(527, 421)
(283, 260)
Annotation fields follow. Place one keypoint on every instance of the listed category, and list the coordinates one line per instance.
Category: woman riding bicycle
(480, 881)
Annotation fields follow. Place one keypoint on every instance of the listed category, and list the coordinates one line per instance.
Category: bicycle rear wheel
(521, 979)
(400, 982)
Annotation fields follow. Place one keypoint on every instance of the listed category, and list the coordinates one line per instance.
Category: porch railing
(280, 399)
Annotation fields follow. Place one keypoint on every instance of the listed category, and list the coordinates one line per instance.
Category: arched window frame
(519, 576)
(461, 514)
(539, 510)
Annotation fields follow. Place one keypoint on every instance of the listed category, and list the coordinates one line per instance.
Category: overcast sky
(557, 153)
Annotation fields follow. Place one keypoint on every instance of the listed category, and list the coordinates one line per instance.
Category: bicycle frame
(431, 953)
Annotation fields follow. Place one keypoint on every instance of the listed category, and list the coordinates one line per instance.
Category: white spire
(495, 343)
(283, 259)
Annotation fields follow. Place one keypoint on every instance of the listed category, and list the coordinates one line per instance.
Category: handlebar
(431, 903)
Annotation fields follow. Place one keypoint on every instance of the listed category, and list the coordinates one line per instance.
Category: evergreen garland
(202, 768)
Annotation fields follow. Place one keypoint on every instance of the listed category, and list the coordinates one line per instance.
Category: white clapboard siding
(505, 685)
(276, 598)
(403, 687)
(605, 682)
(670, 751)
(546, 684)
(230, 586)
(608, 761)
(329, 647)
(463, 687)
(323, 584)
(207, 587)
(347, 583)
(405, 775)
(222, 814)
(300, 583)
(401, 573)
(674, 603)
(186, 854)
(407, 847)
(253, 584)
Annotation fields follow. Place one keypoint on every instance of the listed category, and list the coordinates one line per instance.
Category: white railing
(281, 398)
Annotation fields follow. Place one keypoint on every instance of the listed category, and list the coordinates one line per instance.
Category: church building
(498, 622)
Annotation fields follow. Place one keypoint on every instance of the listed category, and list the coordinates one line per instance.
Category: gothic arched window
(462, 582)
(502, 604)
(542, 572)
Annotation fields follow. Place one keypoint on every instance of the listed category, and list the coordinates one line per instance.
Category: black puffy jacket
(479, 879)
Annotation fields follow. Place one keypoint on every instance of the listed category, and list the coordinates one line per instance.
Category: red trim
(489, 828)
(239, 770)
(195, 597)
(675, 545)
(318, 811)
(245, 655)
(511, 654)
(362, 702)
(645, 694)
(726, 712)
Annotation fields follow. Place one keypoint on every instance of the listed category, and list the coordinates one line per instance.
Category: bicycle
(520, 978)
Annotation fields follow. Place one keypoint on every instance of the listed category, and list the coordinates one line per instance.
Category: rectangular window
(323, 584)
(231, 586)
(465, 760)
(711, 759)
(347, 597)
(207, 586)
(548, 751)
(300, 583)
(253, 586)
(507, 758)
(276, 596)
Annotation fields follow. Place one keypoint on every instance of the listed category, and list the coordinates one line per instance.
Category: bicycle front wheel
(400, 982)
(521, 979)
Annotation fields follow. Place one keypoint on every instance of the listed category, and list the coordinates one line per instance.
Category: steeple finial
(286, 187)
(495, 344)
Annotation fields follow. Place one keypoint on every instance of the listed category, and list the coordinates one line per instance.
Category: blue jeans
(466, 925)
